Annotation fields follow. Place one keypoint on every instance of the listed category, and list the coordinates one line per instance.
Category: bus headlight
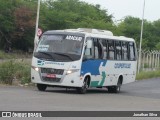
(35, 68)
(72, 71)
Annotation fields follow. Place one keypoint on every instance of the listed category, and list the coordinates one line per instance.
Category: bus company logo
(40, 62)
(53, 63)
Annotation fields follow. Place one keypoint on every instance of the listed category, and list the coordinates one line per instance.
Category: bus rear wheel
(117, 88)
(114, 89)
(83, 89)
(41, 87)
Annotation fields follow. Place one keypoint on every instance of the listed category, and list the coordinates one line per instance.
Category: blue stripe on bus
(92, 66)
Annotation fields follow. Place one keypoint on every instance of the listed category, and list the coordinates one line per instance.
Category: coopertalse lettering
(122, 65)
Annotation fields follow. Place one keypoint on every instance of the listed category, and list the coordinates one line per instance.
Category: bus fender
(120, 79)
(87, 74)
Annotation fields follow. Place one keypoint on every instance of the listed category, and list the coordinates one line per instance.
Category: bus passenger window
(104, 43)
(132, 51)
(98, 48)
(105, 52)
(125, 50)
(89, 52)
(111, 50)
(96, 52)
(118, 50)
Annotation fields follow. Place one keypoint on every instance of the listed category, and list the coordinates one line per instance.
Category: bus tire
(114, 89)
(83, 89)
(117, 88)
(41, 87)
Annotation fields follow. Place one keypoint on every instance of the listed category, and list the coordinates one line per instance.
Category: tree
(17, 19)
(67, 14)
(25, 24)
(6, 24)
(131, 27)
(156, 33)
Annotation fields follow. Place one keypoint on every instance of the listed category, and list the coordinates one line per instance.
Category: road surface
(141, 95)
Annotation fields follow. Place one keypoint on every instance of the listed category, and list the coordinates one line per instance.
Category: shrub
(14, 70)
(148, 74)
(14, 55)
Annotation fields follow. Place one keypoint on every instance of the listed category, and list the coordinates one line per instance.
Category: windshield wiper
(47, 54)
(62, 54)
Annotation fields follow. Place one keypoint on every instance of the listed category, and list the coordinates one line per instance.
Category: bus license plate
(51, 76)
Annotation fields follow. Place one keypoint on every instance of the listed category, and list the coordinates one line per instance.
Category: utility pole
(36, 29)
(141, 37)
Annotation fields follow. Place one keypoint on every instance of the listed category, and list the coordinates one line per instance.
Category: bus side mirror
(89, 44)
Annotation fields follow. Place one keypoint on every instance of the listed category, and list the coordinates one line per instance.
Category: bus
(83, 58)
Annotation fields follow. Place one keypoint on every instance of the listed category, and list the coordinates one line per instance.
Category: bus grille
(45, 79)
(52, 71)
(56, 72)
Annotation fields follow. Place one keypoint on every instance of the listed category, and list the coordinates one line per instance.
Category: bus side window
(125, 50)
(89, 51)
(104, 43)
(118, 50)
(111, 50)
(96, 52)
(132, 51)
(100, 49)
(96, 49)
(105, 52)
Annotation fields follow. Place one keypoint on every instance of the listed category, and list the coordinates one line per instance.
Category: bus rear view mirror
(89, 44)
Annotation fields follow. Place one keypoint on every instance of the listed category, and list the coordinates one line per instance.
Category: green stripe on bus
(95, 83)
(103, 78)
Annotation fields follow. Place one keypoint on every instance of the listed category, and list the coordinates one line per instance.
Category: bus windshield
(59, 48)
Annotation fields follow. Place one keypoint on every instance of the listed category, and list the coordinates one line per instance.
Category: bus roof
(91, 33)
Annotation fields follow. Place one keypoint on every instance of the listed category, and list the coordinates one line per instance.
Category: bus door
(93, 62)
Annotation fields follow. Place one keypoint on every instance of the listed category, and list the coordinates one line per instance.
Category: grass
(148, 74)
(14, 71)
(14, 55)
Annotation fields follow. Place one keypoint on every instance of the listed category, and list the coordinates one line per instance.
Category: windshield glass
(60, 47)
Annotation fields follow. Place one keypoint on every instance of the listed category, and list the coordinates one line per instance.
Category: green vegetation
(15, 55)
(4, 56)
(17, 71)
(131, 26)
(148, 74)
(17, 22)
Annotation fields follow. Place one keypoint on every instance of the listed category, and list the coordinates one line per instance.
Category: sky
(121, 8)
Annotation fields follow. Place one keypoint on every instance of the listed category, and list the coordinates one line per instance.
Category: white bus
(83, 58)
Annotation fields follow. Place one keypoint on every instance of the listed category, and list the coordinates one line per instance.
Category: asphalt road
(138, 96)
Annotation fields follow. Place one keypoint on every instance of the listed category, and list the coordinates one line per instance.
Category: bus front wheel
(83, 89)
(41, 87)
